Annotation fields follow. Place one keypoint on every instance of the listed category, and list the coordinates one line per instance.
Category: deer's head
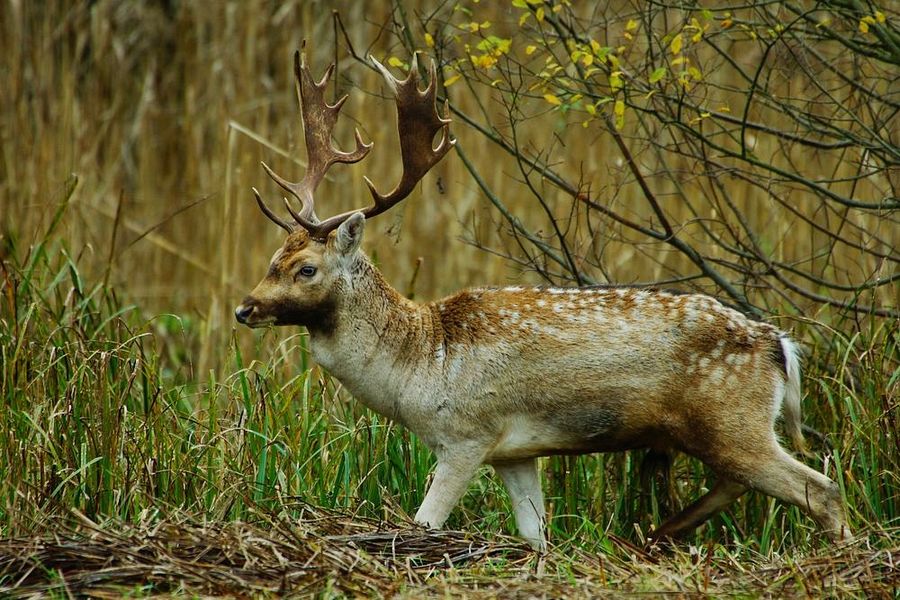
(307, 274)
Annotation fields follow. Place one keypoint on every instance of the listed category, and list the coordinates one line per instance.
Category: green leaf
(657, 74)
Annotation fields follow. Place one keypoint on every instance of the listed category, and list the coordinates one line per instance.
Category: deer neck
(376, 340)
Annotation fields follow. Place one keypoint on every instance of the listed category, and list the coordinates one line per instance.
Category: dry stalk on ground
(352, 556)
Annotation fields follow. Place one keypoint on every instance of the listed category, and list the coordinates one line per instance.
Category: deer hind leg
(523, 482)
(723, 493)
(779, 474)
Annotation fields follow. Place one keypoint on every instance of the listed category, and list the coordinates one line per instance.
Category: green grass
(100, 411)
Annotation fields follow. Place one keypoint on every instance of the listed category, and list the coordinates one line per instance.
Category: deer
(505, 375)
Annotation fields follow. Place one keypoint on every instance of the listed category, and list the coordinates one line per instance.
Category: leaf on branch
(615, 81)
(619, 112)
(675, 44)
(495, 45)
(657, 74)
(451, 80)
(865, 22)
(429, 40)
(396, 62)
(552, 99)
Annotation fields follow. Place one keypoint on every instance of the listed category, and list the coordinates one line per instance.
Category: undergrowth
(100, 411)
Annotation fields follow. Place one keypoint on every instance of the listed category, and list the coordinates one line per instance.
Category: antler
(319, 119)
(417, 121)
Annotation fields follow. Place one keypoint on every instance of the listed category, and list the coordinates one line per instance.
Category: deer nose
(243, 312)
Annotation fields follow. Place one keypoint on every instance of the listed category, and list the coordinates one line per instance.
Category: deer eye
(307, 271)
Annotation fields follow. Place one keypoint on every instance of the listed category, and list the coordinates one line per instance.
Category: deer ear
(349, 234)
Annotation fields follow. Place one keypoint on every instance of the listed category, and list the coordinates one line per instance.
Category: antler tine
(274, 218)
(418, 120)
(319, 119)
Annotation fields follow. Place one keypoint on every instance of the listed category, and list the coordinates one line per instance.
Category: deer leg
(451, 479)
(780, 475)
(523, 482)
(723, 493)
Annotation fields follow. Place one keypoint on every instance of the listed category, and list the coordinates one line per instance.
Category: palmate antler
(418, 121)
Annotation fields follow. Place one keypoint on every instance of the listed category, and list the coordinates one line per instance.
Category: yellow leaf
(879, 16)
(863, 27)
(523, 17)
(539, 14)
(726, 23)
(530, 50)
(619, 111)
(429, 40)
(591, 109)
(615, 80)
(451, 80)
(675, 44)
(395, 62)
(552, 99)
(588, 60)
(631, 25)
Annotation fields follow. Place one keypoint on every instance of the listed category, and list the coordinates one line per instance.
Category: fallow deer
(502, 376)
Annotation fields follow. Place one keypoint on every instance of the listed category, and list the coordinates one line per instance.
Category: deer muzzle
(244, 311)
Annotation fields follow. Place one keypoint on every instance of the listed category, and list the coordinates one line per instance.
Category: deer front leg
(452, 475)
(523, 482)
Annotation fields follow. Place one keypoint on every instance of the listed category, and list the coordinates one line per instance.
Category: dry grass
(331, 554)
